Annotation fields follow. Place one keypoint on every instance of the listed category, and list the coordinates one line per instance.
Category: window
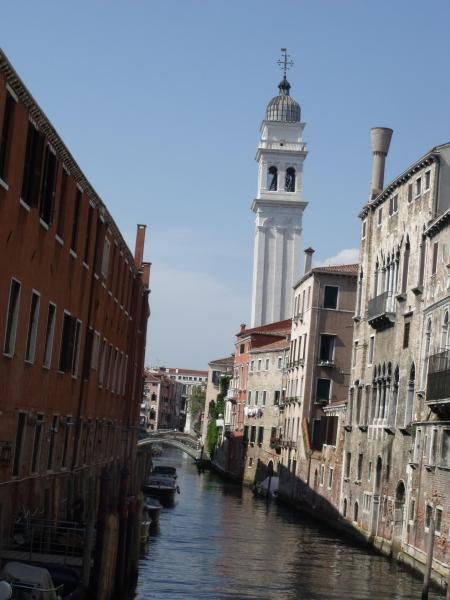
(88, 234)
(75, 222)
(260, 435)
(242, 349)
(32, 327)
(380, 215)
(326, 353)
(364, 228)
(49, 333)
(32, 171)
(53, 431)
(427, 180)
(406, 329)
(12, 318)
(410, 192)
(348, 460)
(272, 179)
(344, 508)
(252, 365)
(47, 198)
(433, 444)
(355, 512)
(267, 364)
(360, 466)
(5, 139)
(445, 448)
(264, 395)
(101, 374)
(280, 362)
(330, 478)
(35, 457)
(371, 349)
(252, 434)
(289, 182)
(435, 257)
(438, 521)
(95, 351)
(249, 397)
(322, 474)
(355, 350)
(412, 510)
(21, 423)
(70, 345)
(259, 364)
(428, 515)
(276, 397)
(330, 296)
(323, 391)
(369, 471)
(62, 204)
(393, 204)
(418, 186)
(256, 398)
(105, 258)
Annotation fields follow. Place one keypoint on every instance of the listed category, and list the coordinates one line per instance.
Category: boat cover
(30, 576)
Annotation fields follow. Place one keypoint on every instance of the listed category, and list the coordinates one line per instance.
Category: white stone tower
(279, 207)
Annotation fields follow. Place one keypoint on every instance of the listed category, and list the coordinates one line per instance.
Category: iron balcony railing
(438, 381)
(381, 305)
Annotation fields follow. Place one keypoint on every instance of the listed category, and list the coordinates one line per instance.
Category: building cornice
(277, 202)
(428, 159)
(44, 125)
(438, 224)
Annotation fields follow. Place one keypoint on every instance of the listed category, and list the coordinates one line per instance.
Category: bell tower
(278, 206)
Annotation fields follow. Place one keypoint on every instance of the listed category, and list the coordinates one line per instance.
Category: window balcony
(438, 384)
(232, 394)
(275, 443)
(381, 310)
(330, 363)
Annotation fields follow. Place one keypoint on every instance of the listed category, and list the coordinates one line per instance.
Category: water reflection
(218, 542)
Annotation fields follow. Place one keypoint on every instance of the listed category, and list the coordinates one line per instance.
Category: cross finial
(285, 62)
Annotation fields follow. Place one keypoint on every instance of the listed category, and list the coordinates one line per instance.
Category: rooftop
(277, 328)
(351, 270)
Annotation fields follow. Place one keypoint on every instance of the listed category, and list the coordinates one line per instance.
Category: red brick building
(73, 321)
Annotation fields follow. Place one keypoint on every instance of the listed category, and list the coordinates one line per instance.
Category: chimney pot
(308, 259)
(242, 327)
(381, 139)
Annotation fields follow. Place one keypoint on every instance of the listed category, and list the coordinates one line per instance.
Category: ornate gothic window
(289, 182)
(272, 179)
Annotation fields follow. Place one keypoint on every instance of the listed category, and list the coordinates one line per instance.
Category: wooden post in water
(426, 577)
(448, 585)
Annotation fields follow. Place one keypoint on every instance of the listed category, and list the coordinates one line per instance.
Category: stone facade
(317, 384)
(395, 469)
(265, 393)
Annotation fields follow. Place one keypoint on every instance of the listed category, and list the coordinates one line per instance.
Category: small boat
(30, 581)
(153, 507)
(165, 470)
(262, 488)
(145, 525)
(162, 487)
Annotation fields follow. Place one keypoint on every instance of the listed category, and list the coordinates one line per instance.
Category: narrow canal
(218, 542)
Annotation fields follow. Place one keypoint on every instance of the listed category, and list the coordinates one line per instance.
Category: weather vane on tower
(285, 62)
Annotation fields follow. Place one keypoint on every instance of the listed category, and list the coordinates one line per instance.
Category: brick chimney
(139, 249)
(242, 327)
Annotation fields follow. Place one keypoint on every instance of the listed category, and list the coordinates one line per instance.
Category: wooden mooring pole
(427, 574)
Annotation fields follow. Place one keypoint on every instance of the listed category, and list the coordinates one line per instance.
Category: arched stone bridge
(183, 441)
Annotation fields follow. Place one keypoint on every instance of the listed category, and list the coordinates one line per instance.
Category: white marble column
(258, 275)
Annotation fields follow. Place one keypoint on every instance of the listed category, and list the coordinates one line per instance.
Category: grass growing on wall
(216, 408)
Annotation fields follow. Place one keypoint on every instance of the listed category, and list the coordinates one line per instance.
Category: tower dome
(283, 107)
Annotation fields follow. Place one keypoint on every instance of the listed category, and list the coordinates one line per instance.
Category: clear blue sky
(161, 102)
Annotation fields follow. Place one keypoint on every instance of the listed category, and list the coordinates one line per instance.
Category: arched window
(344, 508)
(355, 512)
(289, 181)
(272, 179)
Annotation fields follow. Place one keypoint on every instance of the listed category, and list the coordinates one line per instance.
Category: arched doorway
(400, 497)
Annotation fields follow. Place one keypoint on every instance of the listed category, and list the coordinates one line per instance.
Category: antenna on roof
(285, 62)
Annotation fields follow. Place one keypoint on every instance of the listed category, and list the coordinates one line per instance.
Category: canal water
(219, 542)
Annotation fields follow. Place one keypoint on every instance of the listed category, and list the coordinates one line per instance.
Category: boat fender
(5, 590)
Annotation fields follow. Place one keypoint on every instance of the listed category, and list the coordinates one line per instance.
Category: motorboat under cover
(30, 577)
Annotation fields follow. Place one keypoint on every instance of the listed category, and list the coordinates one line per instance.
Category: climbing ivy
(216, 408)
